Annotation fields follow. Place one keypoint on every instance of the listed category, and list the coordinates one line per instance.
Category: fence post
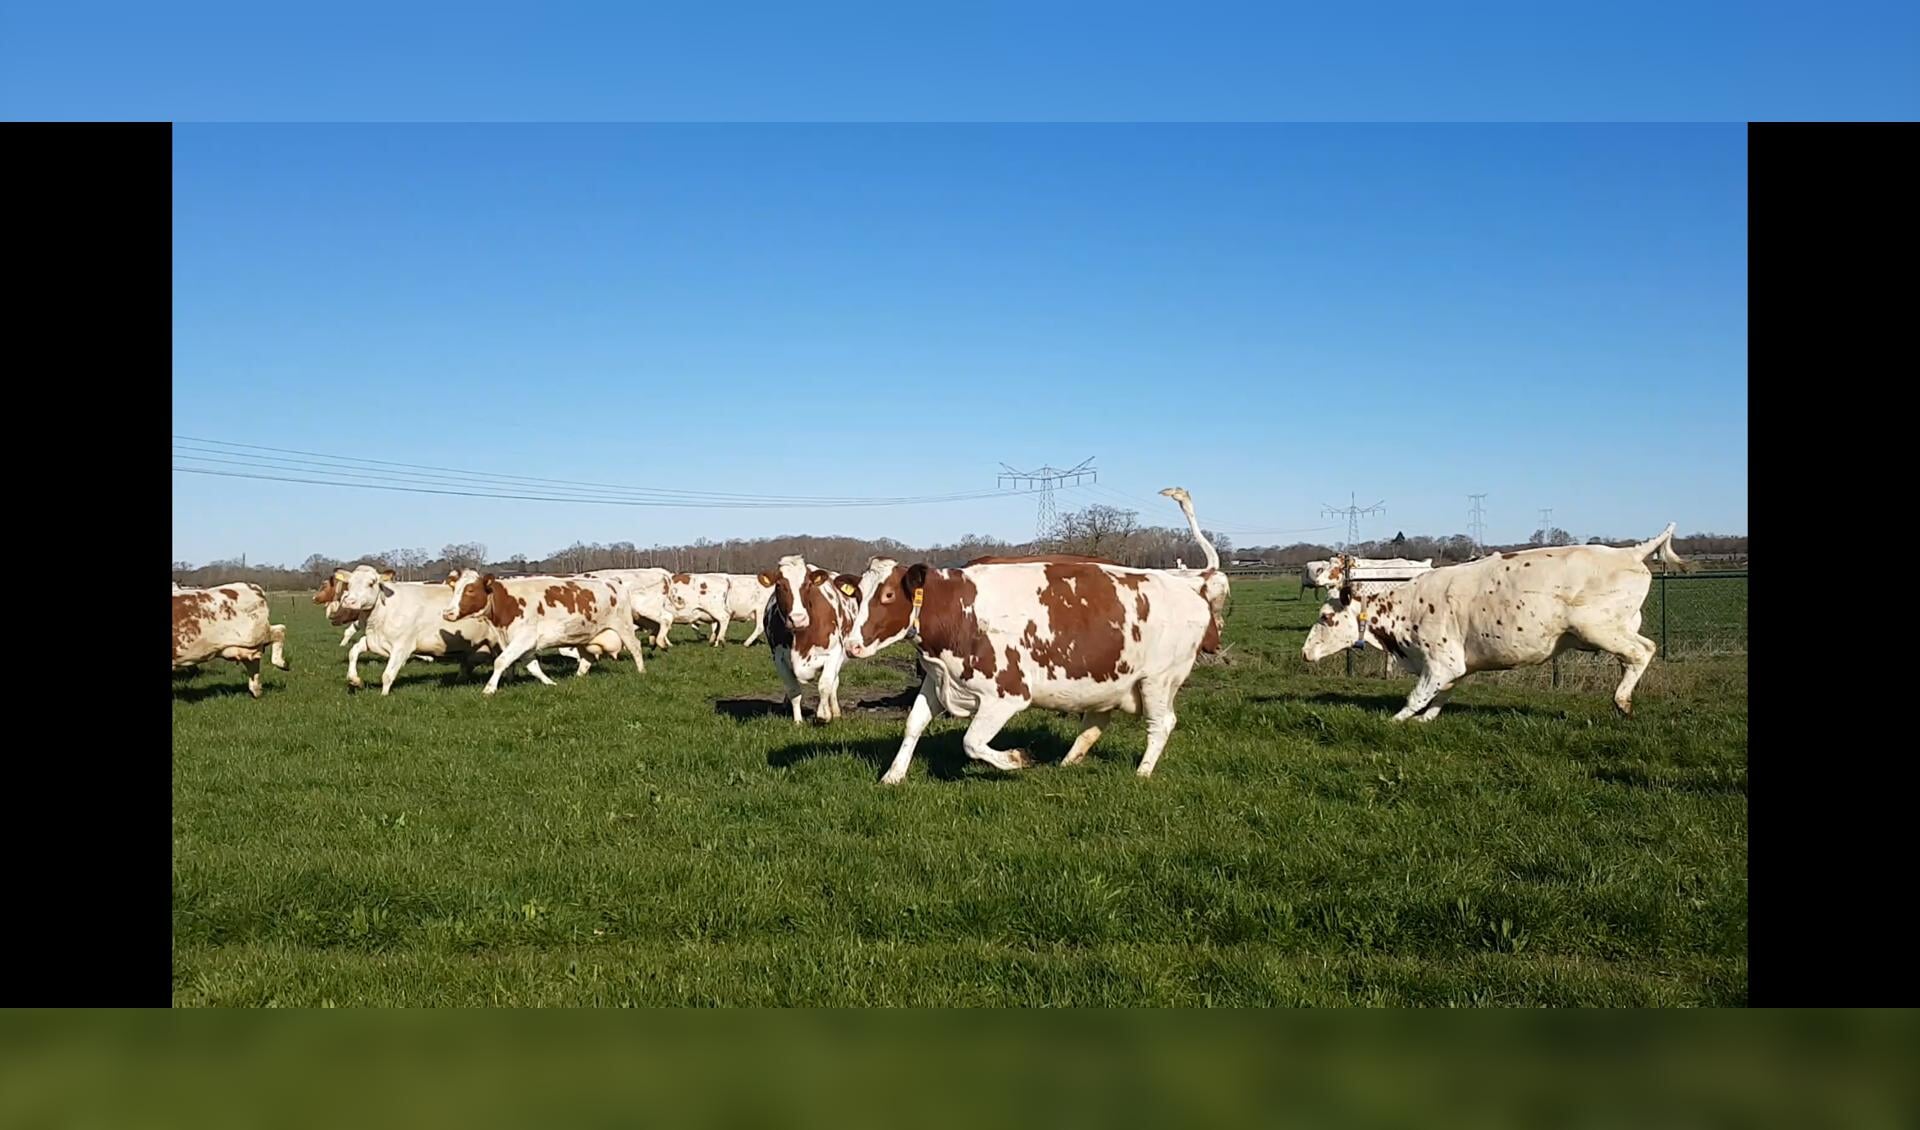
(1663, 609)
(1556, 668)
(1349, 663)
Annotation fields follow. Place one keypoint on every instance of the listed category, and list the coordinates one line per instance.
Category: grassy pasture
(669, 838)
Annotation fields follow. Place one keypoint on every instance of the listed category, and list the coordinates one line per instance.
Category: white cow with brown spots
(524, 615)
(747, 597)
(400, 620)
(1074, 636)
(1500, 612)
(701, 598)
(647, 599)
(804, 620)
(226, 622)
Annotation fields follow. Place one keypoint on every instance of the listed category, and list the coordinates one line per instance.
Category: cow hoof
(1625, 709)
(891, 779)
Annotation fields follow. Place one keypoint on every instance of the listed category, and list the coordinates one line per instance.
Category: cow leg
(346, 635)
(1156, 702)
(718, 636)
(396, 659)
(249, 658)
(829, 706)
(278, 633)
(993, 714)
(758, 628)
(925, 709)
(1433, 680)
(353, 662)
(502, 660)
(1088, 735)
(582, 664)
(1439, 700)
(783, 665)
(466, 664)
(1633, 650)
(623, 627)
(533, 668)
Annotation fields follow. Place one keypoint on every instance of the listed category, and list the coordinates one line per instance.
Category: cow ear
(916, 578)
(388, 574)
(486, 582)
(848, 584)
(340, 575)
(453, 579)
(766, 582)
(819, 577)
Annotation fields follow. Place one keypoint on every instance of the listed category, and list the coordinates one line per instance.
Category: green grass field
(668, 838)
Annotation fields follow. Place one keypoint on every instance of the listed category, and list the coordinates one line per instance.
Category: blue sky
(1269, 315)
(1035, 60)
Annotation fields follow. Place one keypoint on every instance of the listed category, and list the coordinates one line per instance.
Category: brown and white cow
(527, 614)
(1500, 612)
(400, 620)
(226, 622)
(701, 598)
(804, 619)
(1210, 582)
(328, 597)
(647, 599)
(1074, 636)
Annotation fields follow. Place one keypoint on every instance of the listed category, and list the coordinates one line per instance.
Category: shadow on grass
(871, 702)
(941, 753)
(1392, 703)
(215, 690)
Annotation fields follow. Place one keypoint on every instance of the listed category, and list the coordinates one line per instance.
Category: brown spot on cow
(1387, 642)
(703, 588)
(1011, 681)
(948, 625)
(574, 598)
(1210, 642)
(474, 597)
(1084, 618)
(1136, 633)
(1140, 606)
(682, 578)
(1430, 609)
(189, 609)
(890, 605)
(1130, 580)
(1528, 564)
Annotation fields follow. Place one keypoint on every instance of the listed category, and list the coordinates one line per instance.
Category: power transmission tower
(1042, 480)
(1477, 522)
(1546, 525)
(1352, 513)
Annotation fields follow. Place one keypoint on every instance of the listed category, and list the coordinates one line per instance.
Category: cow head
(470, 591)
(361, 589)
(883, 605)
(791, 579)
(1338, 626)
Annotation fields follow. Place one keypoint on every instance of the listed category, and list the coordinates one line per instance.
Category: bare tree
(1096, 531)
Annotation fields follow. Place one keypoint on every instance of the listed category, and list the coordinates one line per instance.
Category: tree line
(1108, 532)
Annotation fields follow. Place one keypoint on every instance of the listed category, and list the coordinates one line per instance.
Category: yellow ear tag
(848, 589)
(916, 598)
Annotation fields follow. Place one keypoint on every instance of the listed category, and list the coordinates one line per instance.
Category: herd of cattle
(1064, 632)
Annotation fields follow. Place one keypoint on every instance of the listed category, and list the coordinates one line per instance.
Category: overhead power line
(322, 469)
